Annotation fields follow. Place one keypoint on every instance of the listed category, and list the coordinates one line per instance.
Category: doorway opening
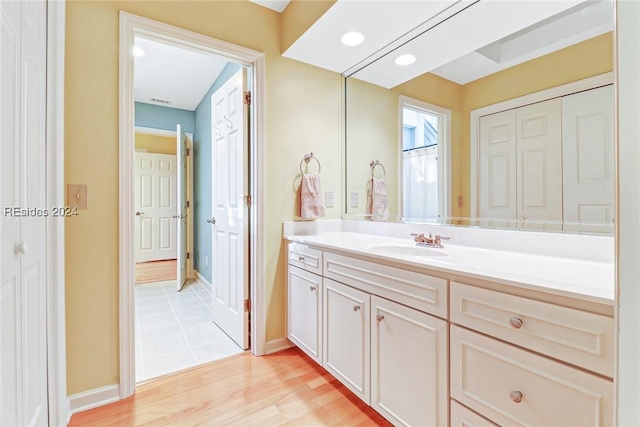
(188, 169)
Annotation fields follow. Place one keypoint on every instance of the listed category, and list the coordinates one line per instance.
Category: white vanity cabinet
(346, 336)
(409, 366)
(304, 321)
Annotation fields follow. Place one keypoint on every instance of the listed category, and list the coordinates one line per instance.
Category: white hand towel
(310, 203)
(377, 204)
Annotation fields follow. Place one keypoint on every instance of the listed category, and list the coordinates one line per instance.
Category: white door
(497, 189)
(346, 336)
(230, 214)
(539, 165)
(588, 159)
(155, 207)
(181, 215)
(23, 367)
(409, 366)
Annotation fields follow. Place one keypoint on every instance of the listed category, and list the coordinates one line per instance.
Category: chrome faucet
(434, 242)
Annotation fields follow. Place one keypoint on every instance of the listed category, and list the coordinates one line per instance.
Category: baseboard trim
(204, 282)
(94, 398)
(278, 344)
(68, 408)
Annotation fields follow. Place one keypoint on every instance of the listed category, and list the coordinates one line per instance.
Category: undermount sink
(408, 250)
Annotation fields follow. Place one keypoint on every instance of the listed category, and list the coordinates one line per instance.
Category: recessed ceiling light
(137, 51)
(352, 38)
(405, 59)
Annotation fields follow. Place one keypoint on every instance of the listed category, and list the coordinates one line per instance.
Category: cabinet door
(346, 336)
(409, 366)
(305, 311)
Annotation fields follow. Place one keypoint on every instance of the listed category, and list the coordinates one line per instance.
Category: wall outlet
(353, 197)
(328, 199)
(206, 262)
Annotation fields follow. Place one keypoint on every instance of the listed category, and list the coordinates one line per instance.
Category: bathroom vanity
(461, 335)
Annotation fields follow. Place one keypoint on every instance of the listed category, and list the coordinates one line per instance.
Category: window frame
(444, 157)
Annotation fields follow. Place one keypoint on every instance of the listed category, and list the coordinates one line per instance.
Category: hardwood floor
(156, 271)
(285, 388)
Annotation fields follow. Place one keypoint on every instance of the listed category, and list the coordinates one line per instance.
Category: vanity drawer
(577, 337)
(461, 416)
(420, 291)
(515, 387)
(304, 257)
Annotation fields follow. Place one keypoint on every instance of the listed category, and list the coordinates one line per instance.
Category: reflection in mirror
(518, 133)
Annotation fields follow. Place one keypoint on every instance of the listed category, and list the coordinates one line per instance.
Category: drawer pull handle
(515, 323)
(312, 288)
(356, 307)
(379, 317)
(301, 258)
(516, 396)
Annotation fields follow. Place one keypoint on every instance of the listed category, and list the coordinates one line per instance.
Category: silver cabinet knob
(356, 307)
(21, 248)
(515, 323)
(516, 396)
(139, 213)
(312, 288)
(379, 317)
(301, 258)
(212, 220)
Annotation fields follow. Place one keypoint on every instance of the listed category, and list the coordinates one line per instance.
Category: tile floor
(174, 330)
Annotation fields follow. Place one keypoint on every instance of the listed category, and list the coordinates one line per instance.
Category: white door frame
(130, 26)
(521, 101)
(444, 153)
(190, 209)
(59, 408)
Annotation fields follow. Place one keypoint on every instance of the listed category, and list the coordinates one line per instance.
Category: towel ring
(307, 158)
(373, 165)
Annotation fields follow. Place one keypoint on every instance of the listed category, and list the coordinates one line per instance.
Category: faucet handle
(417, 237)
(442, 237)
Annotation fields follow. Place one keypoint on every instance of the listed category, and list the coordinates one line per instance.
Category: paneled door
(539, 165)
(588, 159)
(182, 209)
(497, 199)
(230, 252)
(23, 268)
(155, 207)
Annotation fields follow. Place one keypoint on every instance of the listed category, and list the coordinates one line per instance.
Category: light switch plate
(328, 199)
(354, 199)
(77, 196)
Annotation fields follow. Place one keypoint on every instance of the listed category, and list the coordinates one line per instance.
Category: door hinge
(247, 200)
(188, 152)
(188, 255)
(188, 204)
(247, 97)
(247, 305)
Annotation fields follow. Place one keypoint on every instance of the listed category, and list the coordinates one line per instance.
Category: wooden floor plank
(285, 388)
(156, 271)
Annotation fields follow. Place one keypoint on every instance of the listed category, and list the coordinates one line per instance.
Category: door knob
(212, 220)
(139, 213)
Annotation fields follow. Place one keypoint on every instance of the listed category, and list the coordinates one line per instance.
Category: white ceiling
(174, 74)
(277, 5)
(467, 40)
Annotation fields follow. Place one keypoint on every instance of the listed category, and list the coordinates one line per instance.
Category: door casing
(130, 27)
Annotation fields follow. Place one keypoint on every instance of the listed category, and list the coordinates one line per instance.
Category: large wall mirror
(489, 119)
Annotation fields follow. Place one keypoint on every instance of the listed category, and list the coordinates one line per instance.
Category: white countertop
(574, 278)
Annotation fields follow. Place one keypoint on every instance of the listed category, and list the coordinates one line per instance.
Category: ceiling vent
(160, 101)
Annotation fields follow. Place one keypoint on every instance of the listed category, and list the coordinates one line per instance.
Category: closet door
(588, 159)
(539, 164)
(23, 373)
(497, 198)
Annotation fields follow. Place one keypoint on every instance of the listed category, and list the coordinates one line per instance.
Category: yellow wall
(156, 143)
(303, 114)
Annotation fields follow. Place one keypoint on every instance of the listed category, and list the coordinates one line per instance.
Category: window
(424, 144)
